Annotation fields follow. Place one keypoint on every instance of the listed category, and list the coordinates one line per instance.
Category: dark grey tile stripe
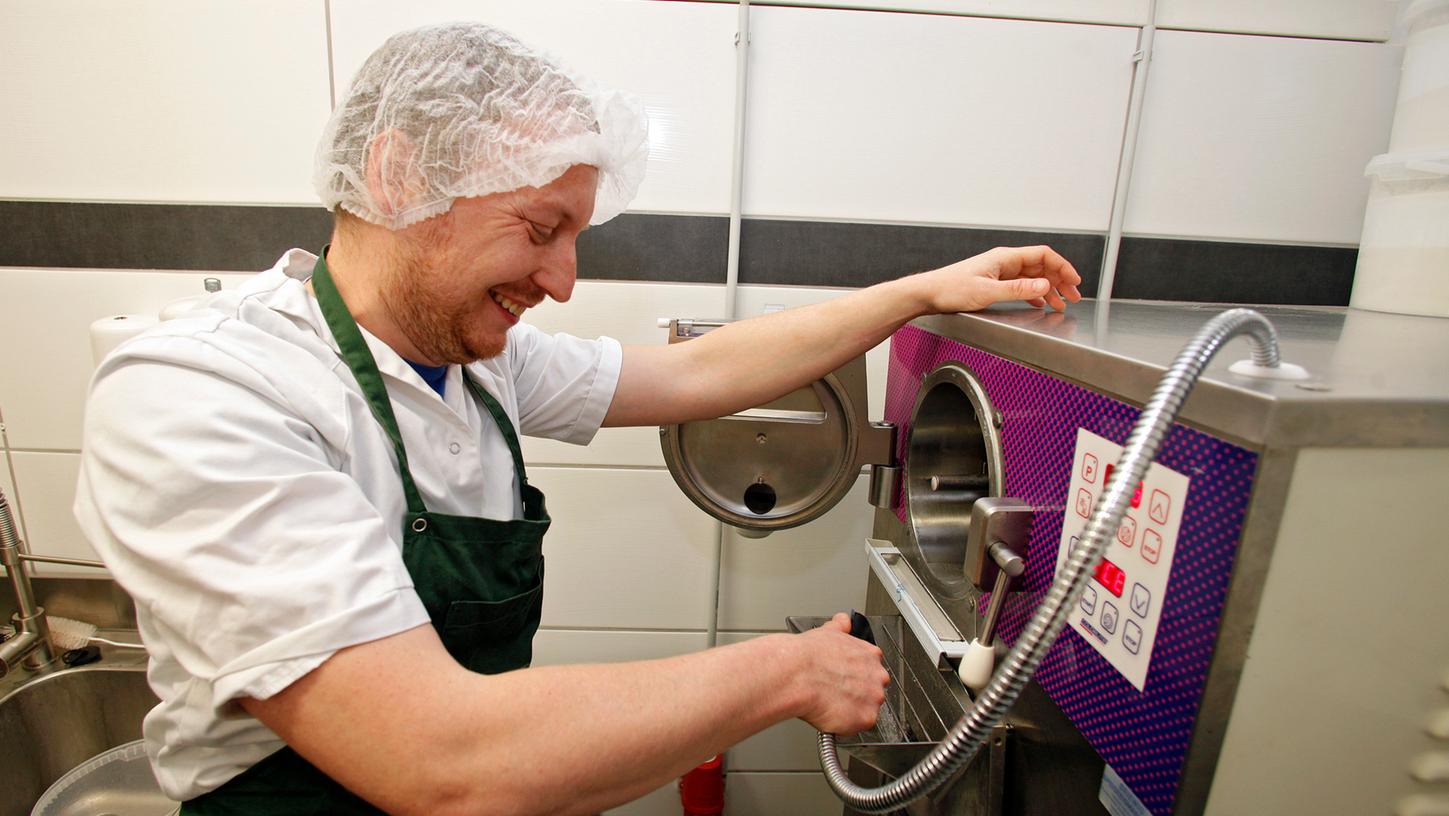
(241, 238)
(155, 236)
(1223, 272)
(816, 253)
(684, 248)
(663, 248)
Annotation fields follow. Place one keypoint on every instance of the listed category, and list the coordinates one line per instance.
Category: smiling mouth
(509, 306)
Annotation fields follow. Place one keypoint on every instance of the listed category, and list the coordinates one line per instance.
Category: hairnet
(464, 109)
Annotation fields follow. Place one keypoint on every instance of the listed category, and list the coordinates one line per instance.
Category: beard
(446, 330)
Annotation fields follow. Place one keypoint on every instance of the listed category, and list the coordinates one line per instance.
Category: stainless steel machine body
(1266, 633)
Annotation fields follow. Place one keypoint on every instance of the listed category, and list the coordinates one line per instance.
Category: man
(313, 488)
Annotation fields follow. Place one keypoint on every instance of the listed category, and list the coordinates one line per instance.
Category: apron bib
(481, 581)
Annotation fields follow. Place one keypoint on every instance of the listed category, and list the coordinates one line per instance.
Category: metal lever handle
(1011, 566)
(979, 661)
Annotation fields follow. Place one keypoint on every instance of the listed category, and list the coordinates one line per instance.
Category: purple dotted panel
(1142, 735)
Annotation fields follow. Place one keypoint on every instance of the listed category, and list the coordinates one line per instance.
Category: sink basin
(52, 723)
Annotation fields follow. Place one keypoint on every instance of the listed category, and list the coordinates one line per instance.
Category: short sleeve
(228, 518)
(564, 384)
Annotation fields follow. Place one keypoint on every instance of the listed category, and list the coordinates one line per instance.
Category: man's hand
(1037, 275)
(844, 679)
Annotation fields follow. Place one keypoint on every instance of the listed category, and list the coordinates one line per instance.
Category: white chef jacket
(236, 483)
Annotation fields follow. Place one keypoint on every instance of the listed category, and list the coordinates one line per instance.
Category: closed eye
(541, 232)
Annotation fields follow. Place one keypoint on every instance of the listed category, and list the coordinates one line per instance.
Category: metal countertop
(1376, 379)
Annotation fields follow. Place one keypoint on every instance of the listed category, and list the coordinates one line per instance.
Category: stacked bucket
(1403, 256)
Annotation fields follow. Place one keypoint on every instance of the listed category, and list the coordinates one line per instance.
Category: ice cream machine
(1262, 633)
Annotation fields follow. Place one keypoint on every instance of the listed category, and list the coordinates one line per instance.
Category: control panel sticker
(1138, 562)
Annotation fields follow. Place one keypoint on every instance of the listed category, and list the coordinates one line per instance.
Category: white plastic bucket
(1421, 117)
(1403, 256)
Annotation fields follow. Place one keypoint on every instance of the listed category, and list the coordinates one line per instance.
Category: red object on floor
(701, 791)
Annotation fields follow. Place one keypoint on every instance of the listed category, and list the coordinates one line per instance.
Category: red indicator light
(1136, 494)
(1110, 576)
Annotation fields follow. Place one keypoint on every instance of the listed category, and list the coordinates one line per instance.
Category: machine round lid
(772, 467)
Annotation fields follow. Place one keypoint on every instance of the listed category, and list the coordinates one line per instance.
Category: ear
(393, 178)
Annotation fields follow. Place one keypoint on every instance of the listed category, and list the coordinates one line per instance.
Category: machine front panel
(1140, 713)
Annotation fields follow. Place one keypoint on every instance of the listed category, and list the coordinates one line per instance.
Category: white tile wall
(1344, 19)
(12, 497)
(789, 746)
(897, 117)
(161, 100)
(557, 647)
(678, 58)
(1339, 19)
(47, 485)
(626, 550)
(778, 794)
(45, 353)
(1130, 12)
(816, 569)
(1260, 138)
(662, 802)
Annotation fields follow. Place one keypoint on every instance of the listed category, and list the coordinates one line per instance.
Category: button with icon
(1109, 618)
(1132, 637)
(1141, 600)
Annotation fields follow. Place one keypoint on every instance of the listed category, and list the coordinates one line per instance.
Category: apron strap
(358, 357)
(505, 426)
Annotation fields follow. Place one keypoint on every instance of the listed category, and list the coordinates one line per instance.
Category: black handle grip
(860, 628)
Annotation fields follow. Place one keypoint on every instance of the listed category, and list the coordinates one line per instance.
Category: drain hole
(760, 498)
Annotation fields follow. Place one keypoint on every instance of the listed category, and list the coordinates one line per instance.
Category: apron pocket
(490, 637)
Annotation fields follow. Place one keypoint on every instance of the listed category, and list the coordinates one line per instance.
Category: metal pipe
(32, 643)
(967, 736)
(960, 483)
(737, 166)
(15, 649)
(732, 262)
(70, 562)
(10, 557)
(1142, 60)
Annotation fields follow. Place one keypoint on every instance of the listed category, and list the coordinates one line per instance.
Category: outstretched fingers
(1043, 262)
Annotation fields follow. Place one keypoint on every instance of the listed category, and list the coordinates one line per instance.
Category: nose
(559, 270)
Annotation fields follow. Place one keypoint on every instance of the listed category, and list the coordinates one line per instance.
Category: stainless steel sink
(52, 723)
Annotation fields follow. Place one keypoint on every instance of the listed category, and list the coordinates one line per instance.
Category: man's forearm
(771, 355)
(567, 739)
(587, 738)
(754, 361)
(750, 362)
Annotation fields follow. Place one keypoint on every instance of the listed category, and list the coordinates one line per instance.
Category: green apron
(481, 581)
